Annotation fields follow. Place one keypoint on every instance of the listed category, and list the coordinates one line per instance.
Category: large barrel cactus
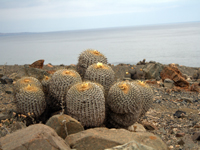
(24, 82)
(101, 73)
(125, 103)
(30, 99)
(86, 103)
(59, 85)
(87, 58)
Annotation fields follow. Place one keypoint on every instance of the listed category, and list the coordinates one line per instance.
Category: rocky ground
(174, 115)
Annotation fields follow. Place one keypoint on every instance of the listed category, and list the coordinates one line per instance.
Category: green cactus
(59, 85)
(30, 99)
(87, 58)
(45, 84)
(86, 103)
(101, 73)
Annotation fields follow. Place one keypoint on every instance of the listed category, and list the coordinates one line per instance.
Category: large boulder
(64, 125)
(34, 137)
(102, 138)
(152, 70)
(173, 73)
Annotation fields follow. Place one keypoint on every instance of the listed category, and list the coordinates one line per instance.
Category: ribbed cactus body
(86, 103)
(45, 84)
(124, 103)
(87, 58)
(24, 82)
(101, 73)
(30, 99)
(59, 85)
(147, 94)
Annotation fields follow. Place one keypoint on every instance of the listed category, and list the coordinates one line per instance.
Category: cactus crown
(46, 78)
(124, 87)
(31, 88)
(68, 72)
(127, 73)
(84, 86)
(95, 52)
(100, 65)
(142, 83)
(26, 80)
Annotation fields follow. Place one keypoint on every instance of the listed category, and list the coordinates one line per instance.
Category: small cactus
(86, 103)
(87, 58)
(101, 73)
(30, 99)
(59, 85)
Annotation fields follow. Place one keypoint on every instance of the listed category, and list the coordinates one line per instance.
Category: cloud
(41, 9)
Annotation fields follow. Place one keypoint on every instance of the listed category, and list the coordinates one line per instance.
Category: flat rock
(64, 125)
(102, 138)
(133, 145)
(34, 137)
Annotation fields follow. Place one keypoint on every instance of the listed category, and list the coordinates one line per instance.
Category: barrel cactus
(30, 99)
(147, 94)
(86, 103)
(87, 58)
(59, 84)
(125, 103)
(45, 84)
(101, 73)
(24, 82)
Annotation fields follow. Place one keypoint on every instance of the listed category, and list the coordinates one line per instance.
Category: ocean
(172, 43)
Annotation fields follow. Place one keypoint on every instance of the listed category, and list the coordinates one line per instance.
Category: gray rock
(196, 136)
(187, 142)
(187, 99)
(168, 83)
(102, 138)
(133, 145)
(6, 80)
(35, 72)
(64, 125)
(34, 137)
(152, 70)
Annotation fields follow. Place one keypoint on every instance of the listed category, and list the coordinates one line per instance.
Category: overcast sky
(59, 15)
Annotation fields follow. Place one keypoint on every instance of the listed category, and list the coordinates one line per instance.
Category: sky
(62, 15)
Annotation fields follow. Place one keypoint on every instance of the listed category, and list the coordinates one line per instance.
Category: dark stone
(196, 136)
(6, 80)
(179, 113)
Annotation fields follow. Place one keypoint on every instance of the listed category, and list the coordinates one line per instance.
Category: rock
(149, 126)
(141, 62)
(136, 73)
(133, 145)
(168, 83)
(36, 136)
(1, 72)
(187, 142)
(180, 134)
(152, 70)
(102, 138)
(174, 74)
(4, 116)
(196, 136)
(9, 90)
(179, 113)
(6, 80)
(64, 125)
(136, 128)
(187, 99)
(35, 72)
(194, 87)
(37, 64)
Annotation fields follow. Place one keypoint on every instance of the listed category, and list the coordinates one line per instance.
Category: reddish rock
(51, 71)
(37, 137)
(180, 134)
(37, 64)
(102, 138)
(194, 87)
(173, 73)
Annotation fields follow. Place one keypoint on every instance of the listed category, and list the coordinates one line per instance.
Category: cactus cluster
(87, 58)
(100, 73)
(126, 102)
(59, 85)
(86, 103)
(29, 97)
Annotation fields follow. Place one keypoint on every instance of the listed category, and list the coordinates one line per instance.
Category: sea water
(172, 43)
